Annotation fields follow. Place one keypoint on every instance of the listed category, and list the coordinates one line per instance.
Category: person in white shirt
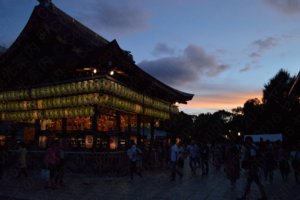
(132, 153)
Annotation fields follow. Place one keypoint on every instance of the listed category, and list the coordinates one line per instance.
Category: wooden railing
(95, 163)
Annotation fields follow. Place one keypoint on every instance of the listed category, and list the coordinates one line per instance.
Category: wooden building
(59, 79)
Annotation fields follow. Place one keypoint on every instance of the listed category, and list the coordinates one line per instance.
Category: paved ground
(154, 185)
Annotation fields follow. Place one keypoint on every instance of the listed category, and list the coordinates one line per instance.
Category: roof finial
(45, 3)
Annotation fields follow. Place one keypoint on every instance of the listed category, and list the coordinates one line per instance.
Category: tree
(281, 111)
(253, 114)
(179, 125)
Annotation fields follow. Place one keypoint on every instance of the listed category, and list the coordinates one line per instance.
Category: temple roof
(54, 47)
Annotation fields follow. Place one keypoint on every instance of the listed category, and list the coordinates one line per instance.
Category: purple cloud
(245, 68)
(188, 67)
(287, 7)
(265, 44)
(163, 49)
(111, 16)
(262, 45)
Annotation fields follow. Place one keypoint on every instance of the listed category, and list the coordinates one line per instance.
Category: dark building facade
(61, 80)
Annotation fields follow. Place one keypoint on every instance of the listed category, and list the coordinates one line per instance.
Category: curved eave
(146, 82)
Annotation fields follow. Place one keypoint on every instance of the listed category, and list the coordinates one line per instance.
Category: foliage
(277, 112)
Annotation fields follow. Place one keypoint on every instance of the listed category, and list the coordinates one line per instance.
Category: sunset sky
(221, 51)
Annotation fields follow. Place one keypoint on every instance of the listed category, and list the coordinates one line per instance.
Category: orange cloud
(226, 101)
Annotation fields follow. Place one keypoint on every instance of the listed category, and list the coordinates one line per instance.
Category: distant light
(95, 71)
(239, 133)
(111, 72)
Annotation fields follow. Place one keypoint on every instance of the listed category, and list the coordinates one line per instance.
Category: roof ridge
(79, 24)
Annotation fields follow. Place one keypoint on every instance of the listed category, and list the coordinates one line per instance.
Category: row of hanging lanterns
(70, 101)
(81, 87)
(14, 95)
(49, 114)
(124, 105)
(156, 113)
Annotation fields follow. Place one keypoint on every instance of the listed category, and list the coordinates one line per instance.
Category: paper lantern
(95, 98)
(69, 88)
(89, 140)
(91, 85)
(66, 113)
(73, 88)
(85, 86)
(40, 115)
(97, 85)
(33, 93)
(63, 89)
(69, 101)
(102, 84)
(91, 111)
(34, 114)
(52, 91)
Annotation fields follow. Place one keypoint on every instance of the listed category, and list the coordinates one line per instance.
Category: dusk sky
(221, 51)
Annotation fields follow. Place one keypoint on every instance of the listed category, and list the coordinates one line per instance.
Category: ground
(154, 184)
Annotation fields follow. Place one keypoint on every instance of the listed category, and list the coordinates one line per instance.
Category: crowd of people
(257, 160)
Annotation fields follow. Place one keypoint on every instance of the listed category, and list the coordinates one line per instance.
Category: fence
(97, 163)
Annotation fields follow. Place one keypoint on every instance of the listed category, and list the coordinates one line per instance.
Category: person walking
(194, 154)
(174, 153)
(132, 153)
(52, 159)
(2, 161)
(284, 166)
(269, 161)
(59, 179)
(22, 160)
(204, 158)
(296, 162)
(252, 167)
(180, 160)
(232, 163)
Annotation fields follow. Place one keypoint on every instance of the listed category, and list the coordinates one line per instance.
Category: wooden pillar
(152, 133)
(129, 123)
(94, 121)
(129, 131)
(63, 127)
(138, 128)
(118, 128)
(118, 121)
(37, 130)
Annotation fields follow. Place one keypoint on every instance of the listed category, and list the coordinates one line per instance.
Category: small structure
(274, 137)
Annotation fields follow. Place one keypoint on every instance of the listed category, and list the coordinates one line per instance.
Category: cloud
(246, 68)
(188, 67)
(112, 16)
(163, 49)
(288, 7)
(261, 46)
(265, 44)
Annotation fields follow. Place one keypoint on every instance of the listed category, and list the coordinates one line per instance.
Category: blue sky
(221, 51)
